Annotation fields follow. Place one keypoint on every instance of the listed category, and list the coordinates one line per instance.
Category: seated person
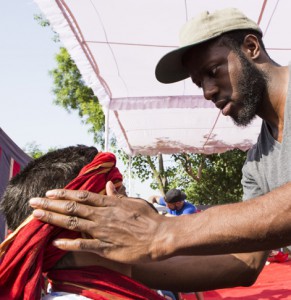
(176, 203)
(27, 255)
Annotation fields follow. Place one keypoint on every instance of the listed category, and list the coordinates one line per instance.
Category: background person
(224, 55)
(176, 203)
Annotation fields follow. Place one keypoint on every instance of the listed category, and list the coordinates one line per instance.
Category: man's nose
(210, 90)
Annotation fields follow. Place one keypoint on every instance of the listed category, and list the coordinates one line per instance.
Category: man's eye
(212, 72)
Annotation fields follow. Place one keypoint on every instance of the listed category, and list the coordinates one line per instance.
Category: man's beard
(252, 88)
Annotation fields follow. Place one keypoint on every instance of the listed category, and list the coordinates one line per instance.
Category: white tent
(116, 45)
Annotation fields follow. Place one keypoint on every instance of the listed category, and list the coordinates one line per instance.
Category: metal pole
(106, 130)
(129, 177)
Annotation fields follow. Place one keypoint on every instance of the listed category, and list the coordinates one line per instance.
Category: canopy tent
(116, 45)
(12, 160)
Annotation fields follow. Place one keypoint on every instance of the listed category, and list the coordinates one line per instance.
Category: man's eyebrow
(196, 81)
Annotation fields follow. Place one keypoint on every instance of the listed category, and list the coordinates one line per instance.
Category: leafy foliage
(206, 179)
(218, 177)
(72, 94)
(34, 151)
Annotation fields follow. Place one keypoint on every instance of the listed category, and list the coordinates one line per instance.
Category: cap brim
(170, 68)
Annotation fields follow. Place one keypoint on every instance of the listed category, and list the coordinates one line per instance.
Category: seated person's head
(53, 170)
(175, 199)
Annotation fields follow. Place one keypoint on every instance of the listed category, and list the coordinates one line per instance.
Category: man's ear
(251, 46)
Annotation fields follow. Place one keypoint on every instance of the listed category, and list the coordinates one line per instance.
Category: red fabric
(112, 285)
(280, 257)
(15, 167)
(274, 282)
(32, 253)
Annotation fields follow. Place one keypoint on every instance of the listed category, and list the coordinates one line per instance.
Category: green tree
(206, 179)
(71, 93)
(152, 167)
(34, 151)
(212, 179)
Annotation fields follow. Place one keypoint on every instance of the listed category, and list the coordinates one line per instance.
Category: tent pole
(129, 176)
(106, 130)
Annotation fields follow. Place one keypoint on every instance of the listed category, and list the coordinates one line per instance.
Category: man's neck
(273, 107)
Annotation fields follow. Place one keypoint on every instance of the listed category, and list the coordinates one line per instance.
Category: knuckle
(136, 216)
(83, 246)
(61, 194)
(73, 223)
(71, 206)
(44, 203)
(102, 201)
(83, 195)
(49, 217)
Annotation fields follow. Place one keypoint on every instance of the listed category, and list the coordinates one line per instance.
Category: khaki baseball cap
(200, 29)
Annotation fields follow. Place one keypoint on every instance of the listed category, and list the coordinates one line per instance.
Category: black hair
(234, 39)
(52, 170)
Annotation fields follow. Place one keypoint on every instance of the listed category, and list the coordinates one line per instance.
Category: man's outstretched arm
(201, 273)
(130, 231)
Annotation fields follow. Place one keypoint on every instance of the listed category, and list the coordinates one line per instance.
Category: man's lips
(224, 105)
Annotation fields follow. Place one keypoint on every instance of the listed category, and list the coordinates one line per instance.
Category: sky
(27, 53)
(27, 114)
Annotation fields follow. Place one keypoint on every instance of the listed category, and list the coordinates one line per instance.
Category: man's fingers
(99, 247)
(68, 222)
(71, 208)
(80, 196)
(110, 189)
(77, 198)
(88, 245)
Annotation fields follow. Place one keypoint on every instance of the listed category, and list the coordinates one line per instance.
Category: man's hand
(154, 199)
(122, 229)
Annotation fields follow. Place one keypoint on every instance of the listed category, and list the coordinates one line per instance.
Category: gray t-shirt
(267, 165)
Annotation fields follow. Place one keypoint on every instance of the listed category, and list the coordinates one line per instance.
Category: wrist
(164, 240)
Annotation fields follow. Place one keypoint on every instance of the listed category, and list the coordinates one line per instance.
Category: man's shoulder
(189, 207)
(189, 204)
(262, 146)
(162, 201)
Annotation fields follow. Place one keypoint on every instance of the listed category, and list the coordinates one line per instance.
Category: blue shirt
(187, 208)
